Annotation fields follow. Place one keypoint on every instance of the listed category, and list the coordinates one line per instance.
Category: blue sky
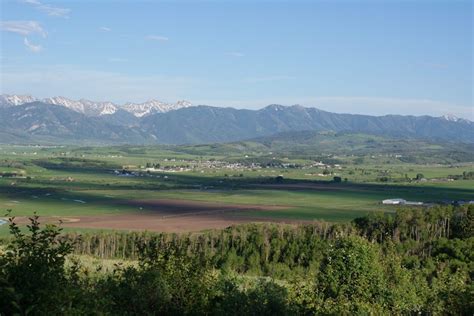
(371, 57)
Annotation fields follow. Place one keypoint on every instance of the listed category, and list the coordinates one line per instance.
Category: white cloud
(49, 9)
(23, 27)
(55, 11)
(31, 47)
(236, 54)
(36, 2)
(157, 38)
(105, 29)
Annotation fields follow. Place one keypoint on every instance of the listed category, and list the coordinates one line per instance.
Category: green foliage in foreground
(419, 261)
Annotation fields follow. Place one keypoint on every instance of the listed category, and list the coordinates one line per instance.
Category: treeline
(414, 227)
(72, 163)
(466, 175)
(418, 261)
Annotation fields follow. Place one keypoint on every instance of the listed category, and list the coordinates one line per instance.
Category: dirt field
(313, 186)
(166, 216)
(172, 208)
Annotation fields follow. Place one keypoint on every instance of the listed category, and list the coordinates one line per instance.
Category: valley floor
(85, 190)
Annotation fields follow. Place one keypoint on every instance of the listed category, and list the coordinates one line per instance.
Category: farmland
(190, 188)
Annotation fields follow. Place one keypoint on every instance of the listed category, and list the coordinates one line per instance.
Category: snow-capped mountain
(450, 117)
(453, 118)
(92, 108)
(11, 100)
(63, 123)
(71, 104)
(153, 106)
(87, 107)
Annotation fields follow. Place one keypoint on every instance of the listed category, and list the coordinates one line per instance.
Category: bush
(32, 271)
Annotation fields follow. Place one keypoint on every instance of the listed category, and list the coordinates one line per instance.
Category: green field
(73, 181)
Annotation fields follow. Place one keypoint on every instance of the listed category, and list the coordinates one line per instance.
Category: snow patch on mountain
(70, 104)
(153, 106)
(453, 118)
(92, 108)
(12, 100)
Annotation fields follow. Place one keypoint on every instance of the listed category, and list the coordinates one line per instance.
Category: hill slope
(311, 144)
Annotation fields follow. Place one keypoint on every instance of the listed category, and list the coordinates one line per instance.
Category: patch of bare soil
(167, 216)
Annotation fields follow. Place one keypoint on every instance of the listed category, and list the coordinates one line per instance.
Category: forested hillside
(417, 261)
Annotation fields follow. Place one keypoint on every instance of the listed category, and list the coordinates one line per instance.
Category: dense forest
(418, 261)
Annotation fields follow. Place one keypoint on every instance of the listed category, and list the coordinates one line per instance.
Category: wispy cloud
(49, 9)
(35, 2)
(354, 104)
(79, 82)
(157, 38)
(236, 54)
(55, 11)
(31, 47)
(105, 29)
(388, 105)
(117, 60)
(23, 27)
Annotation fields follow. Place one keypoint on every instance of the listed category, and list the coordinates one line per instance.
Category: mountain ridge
(277, 118)
(50, 123)
(206, 124)
(96, 108)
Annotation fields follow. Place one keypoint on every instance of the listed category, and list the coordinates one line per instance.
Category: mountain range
(24, 119)
(93, 108)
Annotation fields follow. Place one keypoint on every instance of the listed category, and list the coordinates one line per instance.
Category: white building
(400, 202)
(394, 201)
